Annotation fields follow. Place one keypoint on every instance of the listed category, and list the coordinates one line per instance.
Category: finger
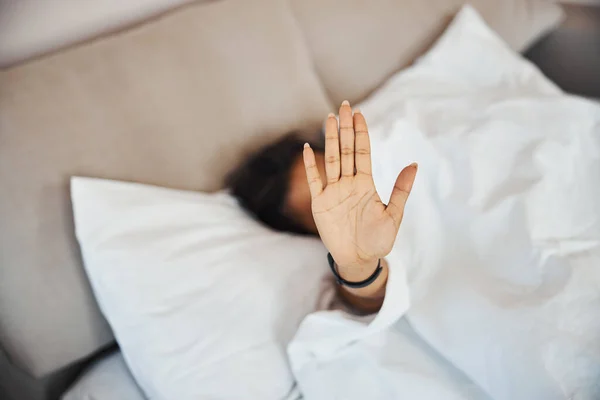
(362, 157)
(312, 172)
(346, 140)
(332, 149)
(402, 189)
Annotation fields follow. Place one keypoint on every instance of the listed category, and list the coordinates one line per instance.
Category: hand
(354, 224)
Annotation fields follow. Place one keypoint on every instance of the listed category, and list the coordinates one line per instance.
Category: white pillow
(201, 298)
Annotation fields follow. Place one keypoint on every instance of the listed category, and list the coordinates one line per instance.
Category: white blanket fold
(500, 243)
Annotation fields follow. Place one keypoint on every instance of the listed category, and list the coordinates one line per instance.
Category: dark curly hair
(261, 183)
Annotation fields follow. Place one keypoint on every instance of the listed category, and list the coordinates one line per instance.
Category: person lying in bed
(340, 203)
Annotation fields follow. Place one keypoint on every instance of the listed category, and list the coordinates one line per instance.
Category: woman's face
(298, 197)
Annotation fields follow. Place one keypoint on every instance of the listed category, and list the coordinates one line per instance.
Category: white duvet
(500, 243)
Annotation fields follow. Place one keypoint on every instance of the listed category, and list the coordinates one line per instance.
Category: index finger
(363, 144)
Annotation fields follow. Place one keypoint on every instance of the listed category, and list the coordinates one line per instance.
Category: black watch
(353, 285)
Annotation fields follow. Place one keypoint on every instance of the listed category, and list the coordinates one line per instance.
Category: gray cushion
(107, 379)
(357, 44)
(176, 102)
(15, 384)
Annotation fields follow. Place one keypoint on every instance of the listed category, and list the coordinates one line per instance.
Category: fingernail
(345, 103)
(357, 111)
(331, 115)
(414, 165)
(306, 145)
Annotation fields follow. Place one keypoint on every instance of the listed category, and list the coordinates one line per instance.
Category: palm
(354, 224)
(347, 213)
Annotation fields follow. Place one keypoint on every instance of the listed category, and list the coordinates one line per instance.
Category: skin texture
(340, 202)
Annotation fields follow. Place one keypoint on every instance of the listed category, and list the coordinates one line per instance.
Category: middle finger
(346, 140)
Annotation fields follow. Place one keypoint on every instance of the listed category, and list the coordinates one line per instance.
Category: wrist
(357, 271)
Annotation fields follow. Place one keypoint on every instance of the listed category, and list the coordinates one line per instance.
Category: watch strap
(353, 285)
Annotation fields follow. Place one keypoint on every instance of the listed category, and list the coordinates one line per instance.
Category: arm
(357, 228)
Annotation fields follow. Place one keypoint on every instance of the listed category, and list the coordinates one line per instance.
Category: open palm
(354, 224)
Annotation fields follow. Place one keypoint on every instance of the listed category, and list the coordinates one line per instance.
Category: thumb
(402, 189)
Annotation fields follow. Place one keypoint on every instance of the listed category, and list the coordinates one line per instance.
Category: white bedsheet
(500, 243)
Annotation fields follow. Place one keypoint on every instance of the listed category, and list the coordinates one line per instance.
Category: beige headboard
(30, 28)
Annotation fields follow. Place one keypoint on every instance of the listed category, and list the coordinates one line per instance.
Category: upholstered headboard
(31, 28)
